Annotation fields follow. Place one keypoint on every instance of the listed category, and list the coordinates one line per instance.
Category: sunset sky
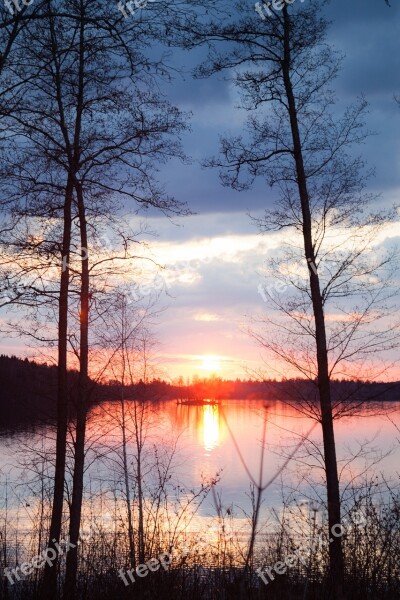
(214, 258)
(189, 372)
(207, 314)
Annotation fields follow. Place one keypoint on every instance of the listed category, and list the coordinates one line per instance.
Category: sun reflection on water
(211, 432)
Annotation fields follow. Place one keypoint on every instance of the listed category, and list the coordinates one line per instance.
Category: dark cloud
(368, 34)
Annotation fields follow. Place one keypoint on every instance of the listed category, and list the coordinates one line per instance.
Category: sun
(211, 363)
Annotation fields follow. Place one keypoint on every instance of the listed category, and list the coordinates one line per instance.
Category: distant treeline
(28, 390)
(293, 389)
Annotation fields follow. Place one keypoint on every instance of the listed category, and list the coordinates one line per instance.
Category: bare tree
(130, 361)
(283, 68)
(12, 23)
(86, 136)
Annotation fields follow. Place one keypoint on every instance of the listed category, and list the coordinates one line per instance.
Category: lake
(188, 444)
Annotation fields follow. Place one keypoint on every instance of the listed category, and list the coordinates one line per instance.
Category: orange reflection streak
(211, 427)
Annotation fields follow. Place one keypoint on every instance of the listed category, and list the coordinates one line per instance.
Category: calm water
(201, 441)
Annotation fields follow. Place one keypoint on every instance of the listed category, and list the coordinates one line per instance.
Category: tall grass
(212, 564)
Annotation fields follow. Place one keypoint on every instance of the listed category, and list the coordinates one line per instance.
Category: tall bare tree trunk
(139, 448)
(132, 554)
(125, 359)
(332, 480)
(49, 585)
(80, 434)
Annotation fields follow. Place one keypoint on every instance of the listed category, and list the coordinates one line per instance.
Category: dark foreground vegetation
(202, 569)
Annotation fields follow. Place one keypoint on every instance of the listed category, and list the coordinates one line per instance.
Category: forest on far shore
(28, 390)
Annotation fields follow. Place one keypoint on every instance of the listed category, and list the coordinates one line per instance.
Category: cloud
(206, 317)
(367, 33)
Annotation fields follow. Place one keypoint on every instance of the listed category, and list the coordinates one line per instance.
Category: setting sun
(211, 363)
